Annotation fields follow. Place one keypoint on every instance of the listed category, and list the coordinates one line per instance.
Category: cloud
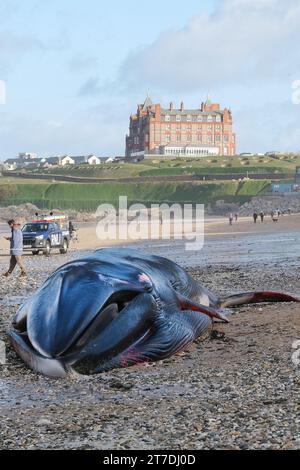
(99, 130)
(267, 127)
(14, 46)
(90, 87)
(78, 64)
(241, 41)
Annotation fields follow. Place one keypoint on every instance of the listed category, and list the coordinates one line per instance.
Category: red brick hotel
(180, 132)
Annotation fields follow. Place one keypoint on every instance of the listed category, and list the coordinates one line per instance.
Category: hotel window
(199, 119)
(168, 127)
(218, 138)
(178, 137)
(194, 118)
(209, 138)
(167, 118)
(168, 138)
(199, 127)
(209, 127)
(218, 128)
(178, 127)
(226, 138)
(178, 118)
(189, 138)
(189, 127)
(200, 138)
(225, 150)
(189, 118)
(218, 118)
(209, 118)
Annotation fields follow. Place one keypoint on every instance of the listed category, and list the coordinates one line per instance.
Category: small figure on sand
(73, 232)
(16, 248)
(255, 215)
(160, 217)
(262, 216)
(236, 217)
(275, 216)
(230, 219)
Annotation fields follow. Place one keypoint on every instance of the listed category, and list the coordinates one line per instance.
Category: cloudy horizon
(74, 71)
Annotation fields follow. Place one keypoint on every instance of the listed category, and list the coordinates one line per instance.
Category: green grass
(10, 180)
(82, 196)
(180, 166)
(205, 171)
(128, 170)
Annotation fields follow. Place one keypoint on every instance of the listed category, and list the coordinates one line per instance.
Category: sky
(72, 71)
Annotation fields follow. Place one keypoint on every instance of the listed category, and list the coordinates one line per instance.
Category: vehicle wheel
(35, 252)
(47, 249)
(64, 248)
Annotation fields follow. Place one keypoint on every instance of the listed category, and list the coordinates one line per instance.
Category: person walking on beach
(73, 232)
(255, 215)
(160, 218)
(262, 216)
(16, 248)
(275, 216)
(230, 219)
(236, 217)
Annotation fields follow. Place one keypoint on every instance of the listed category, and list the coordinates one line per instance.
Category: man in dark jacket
(16, 248)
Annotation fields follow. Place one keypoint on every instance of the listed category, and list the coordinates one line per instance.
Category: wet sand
(215, 227)
(238, 388)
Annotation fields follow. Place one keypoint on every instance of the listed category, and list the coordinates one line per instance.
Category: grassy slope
(89, 196)
(200, 166)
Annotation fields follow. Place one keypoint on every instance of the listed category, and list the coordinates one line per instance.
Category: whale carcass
(117, 308)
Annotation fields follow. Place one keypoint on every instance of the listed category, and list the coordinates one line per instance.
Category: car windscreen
(35, 227)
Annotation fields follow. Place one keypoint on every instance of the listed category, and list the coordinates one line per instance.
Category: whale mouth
(113, 307)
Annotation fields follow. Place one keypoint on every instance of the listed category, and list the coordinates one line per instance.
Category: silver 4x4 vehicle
(44, 236)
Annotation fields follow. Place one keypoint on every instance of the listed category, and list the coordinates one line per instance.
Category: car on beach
(45, 235)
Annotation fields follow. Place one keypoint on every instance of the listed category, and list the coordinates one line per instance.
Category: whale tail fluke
(256, 298)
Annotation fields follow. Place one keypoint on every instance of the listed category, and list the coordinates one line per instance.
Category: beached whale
(117, 308)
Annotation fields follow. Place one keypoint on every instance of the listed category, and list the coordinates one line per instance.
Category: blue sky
(75, 69)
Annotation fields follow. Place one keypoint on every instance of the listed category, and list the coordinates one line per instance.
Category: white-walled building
(27, 155)
(26, 160)
(188, 150)
(93, 160)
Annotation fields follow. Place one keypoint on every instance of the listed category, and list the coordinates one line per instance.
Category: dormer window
(178, 118)
(199, 119)
(209, 118)
(167, 118)
(189, 118)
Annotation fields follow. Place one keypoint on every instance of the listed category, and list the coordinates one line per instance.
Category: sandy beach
(214, 227)
(237, 388)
